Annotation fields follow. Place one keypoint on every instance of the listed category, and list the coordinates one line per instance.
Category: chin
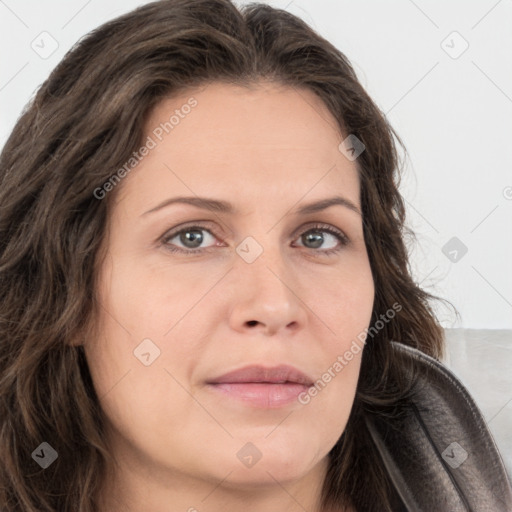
(266, 474)
(285, 460)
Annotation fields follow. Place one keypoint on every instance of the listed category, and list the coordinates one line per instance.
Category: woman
(206, 301)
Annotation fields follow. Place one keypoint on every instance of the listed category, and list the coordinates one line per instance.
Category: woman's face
(252, 284)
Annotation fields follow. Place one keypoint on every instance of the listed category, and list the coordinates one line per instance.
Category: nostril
(252, 322)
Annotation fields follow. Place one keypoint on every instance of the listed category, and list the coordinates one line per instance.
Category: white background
(453, 114)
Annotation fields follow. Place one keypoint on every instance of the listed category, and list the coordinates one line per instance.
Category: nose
(266, 296)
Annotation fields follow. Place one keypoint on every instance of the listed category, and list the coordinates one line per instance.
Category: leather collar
(439, 453)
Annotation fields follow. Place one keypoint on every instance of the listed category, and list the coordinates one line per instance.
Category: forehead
(266, 116)
(221, 139)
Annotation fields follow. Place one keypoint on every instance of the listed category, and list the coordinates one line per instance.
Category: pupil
(316, 238)
(195, 237)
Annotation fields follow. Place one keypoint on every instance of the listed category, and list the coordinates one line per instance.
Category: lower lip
(262, 394)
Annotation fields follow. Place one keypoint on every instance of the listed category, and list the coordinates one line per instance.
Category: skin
(268, 150)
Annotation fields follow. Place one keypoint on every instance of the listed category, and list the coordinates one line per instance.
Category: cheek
(344, 301)
(345, 310)
(143, 403)
(139, 303)
(148, 299)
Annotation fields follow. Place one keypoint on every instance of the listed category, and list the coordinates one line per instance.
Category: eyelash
(343, 239)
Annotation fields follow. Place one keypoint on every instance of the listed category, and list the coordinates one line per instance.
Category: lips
(263, 387)
(273, 375)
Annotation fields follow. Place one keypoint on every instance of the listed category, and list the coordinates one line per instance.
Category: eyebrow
(219, 206)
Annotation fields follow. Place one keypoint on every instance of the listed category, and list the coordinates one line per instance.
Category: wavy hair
(82, 124)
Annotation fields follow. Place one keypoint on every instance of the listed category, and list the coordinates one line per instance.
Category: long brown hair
(83, 124)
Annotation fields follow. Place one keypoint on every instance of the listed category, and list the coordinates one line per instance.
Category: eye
(315, 237)
(192, 237)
